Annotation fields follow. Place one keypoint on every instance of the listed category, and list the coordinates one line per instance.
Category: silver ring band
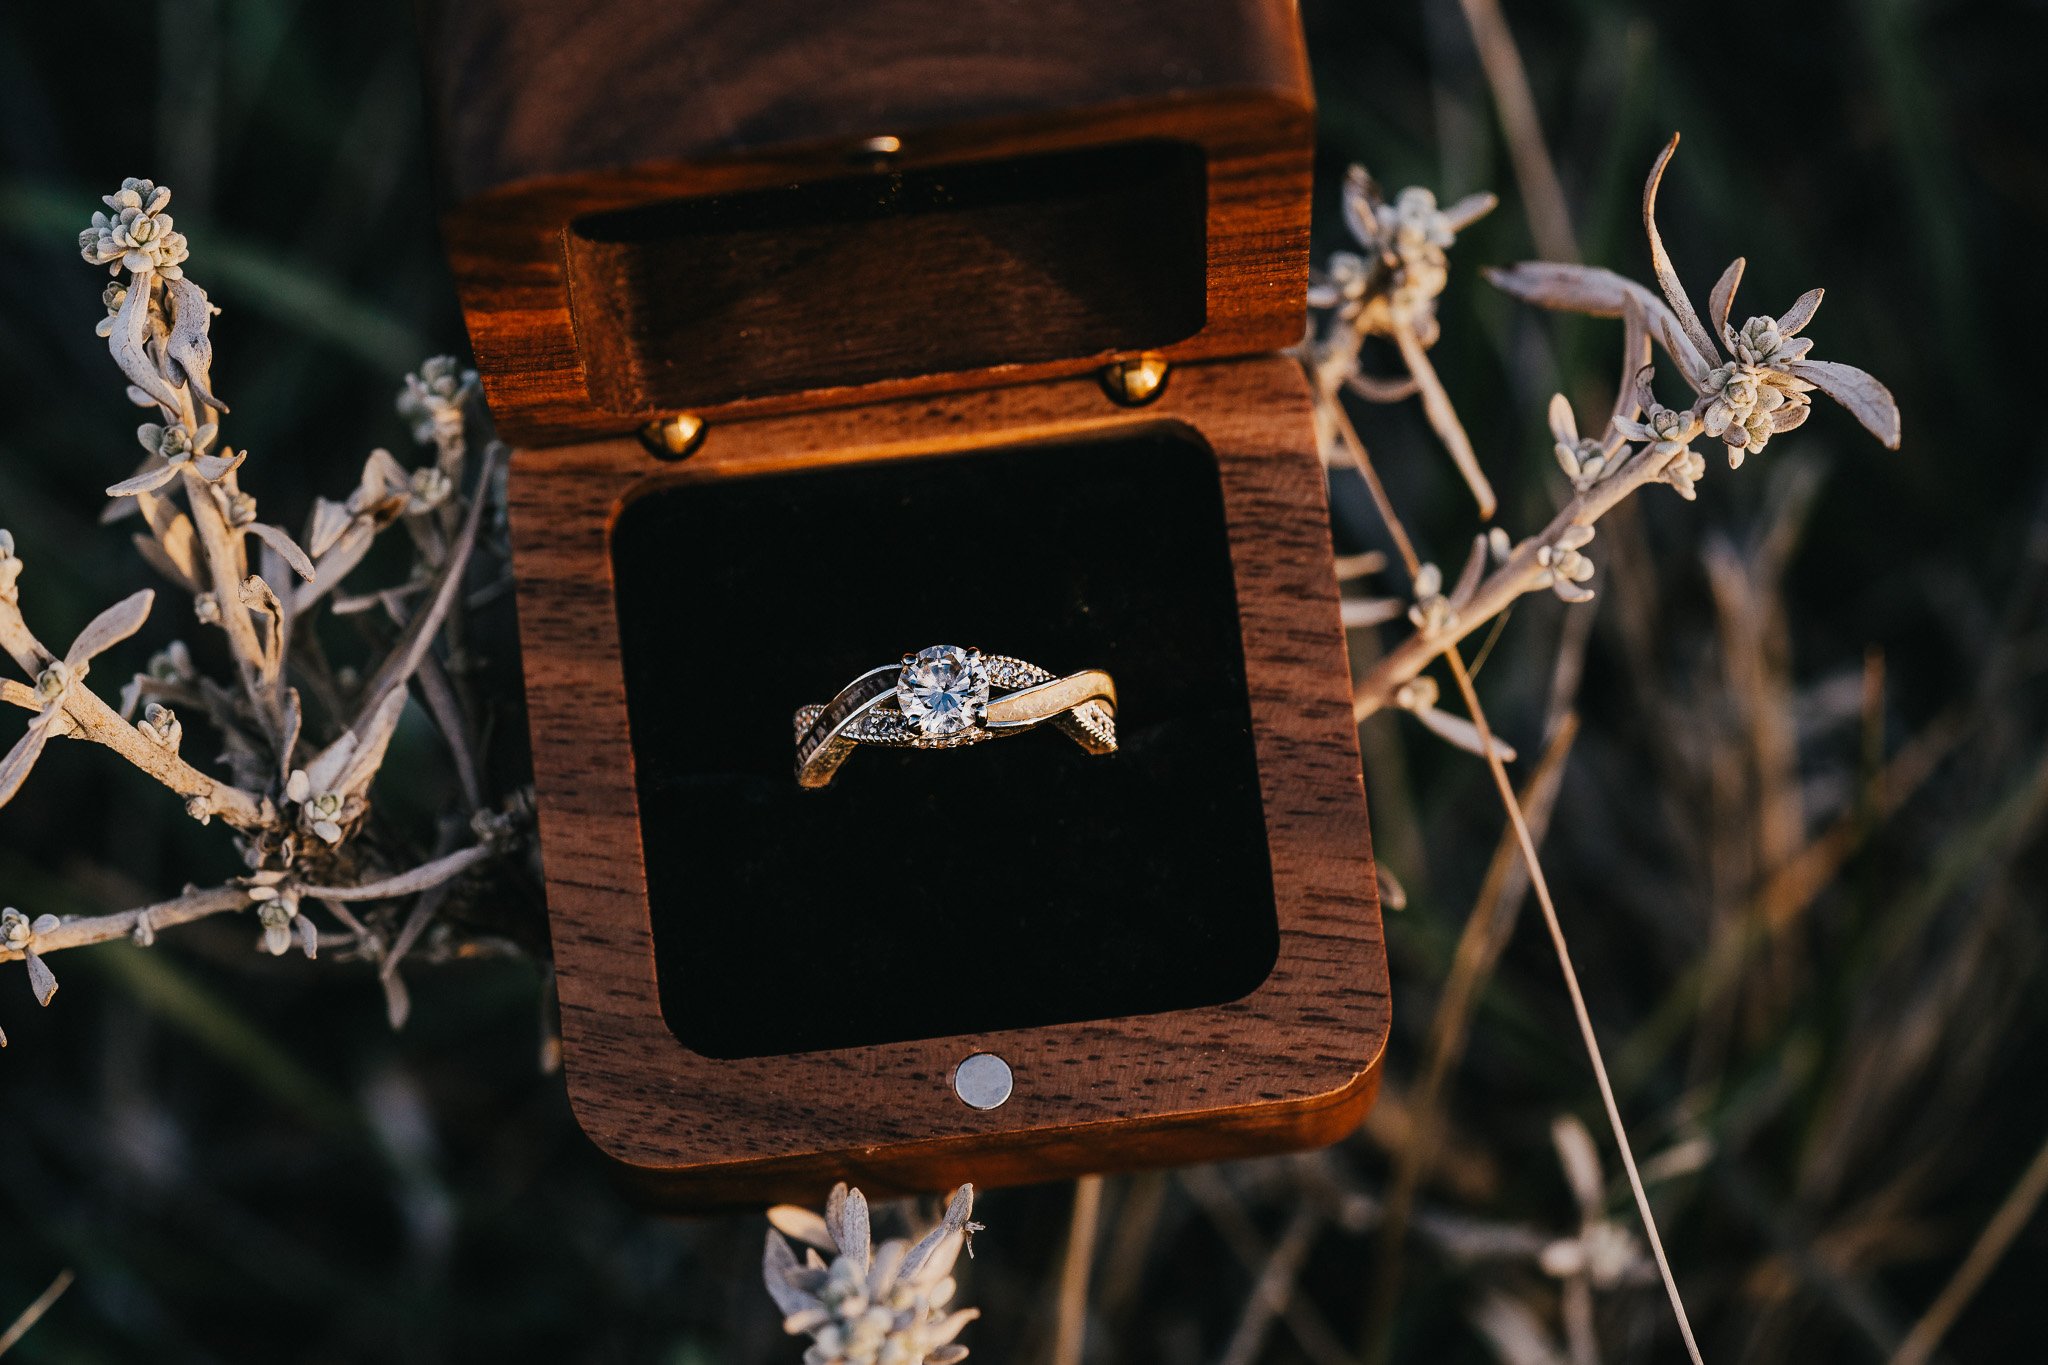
(946, 697)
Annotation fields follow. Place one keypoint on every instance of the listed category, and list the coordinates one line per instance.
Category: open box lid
(690, 205)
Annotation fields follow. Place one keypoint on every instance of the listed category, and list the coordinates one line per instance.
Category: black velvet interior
(1016, 883)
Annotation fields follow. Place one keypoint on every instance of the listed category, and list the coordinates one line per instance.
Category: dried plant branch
(91, 718)
(421, 878)
(140, 924)
(222, 560)
(1748, 385)
(298, 817)
(1529, 567)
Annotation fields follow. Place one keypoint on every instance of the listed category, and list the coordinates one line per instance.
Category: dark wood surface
(552, 116)
(522, 91)
(869, 278)
(1292, 1064)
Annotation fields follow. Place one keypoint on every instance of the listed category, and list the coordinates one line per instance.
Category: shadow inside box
(1015, 884)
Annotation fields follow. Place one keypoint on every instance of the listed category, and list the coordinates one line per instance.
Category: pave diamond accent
(943, 690)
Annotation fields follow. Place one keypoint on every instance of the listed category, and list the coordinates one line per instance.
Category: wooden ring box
(883, 252)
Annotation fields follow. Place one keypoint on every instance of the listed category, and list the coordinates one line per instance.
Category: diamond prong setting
(941, 698)
(943, 691)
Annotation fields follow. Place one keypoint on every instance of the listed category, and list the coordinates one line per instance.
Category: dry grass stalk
(1542, 192)
(1275, 1287)
(33, 1314)
(2012, 1215)
(1070, 1333)
(1233, 1222)
(1491, 752)
(1579, 1010)
(1480, 945)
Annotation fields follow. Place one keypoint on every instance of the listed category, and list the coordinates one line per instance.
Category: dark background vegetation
(243, 1163)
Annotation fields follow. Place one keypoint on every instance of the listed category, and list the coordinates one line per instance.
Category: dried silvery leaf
(778, 1263)
(148, 481)
(1795, 318)
(1869, 401)
(1461, 732)
(328, 521)
(285, 546)
(189, 348)
(153, 553)
(803, 1225)
(110, 627)
(348, 764)
(1723, 298)
(1660, 261)
(1358, 613)
(41, 979)
(1436, 403)
(128, 341)
(214, 468)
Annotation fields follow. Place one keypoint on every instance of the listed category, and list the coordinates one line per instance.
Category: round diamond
(943, 690)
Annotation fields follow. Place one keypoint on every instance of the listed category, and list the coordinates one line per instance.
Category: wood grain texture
(1292, 1064)
(548, 114)
(527, 90)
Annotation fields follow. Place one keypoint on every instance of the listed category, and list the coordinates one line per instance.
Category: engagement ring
(946, 696)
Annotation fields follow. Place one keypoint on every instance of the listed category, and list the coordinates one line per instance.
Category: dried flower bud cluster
(1747, 403)
(1753, 382)
(1667, 437)
(160, 723)
(320, 812)
(137, 235)
(1391, 291)
(1584, 459)
(1432, 613)
(433, 398)
(276, 899)
(863, 1304)
(18, 936)
(1564, 569)
(1405, 262)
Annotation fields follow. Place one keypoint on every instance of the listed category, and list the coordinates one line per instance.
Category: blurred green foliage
(243, 1163)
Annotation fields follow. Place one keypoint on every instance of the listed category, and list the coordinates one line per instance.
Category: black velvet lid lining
(1015, 883)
